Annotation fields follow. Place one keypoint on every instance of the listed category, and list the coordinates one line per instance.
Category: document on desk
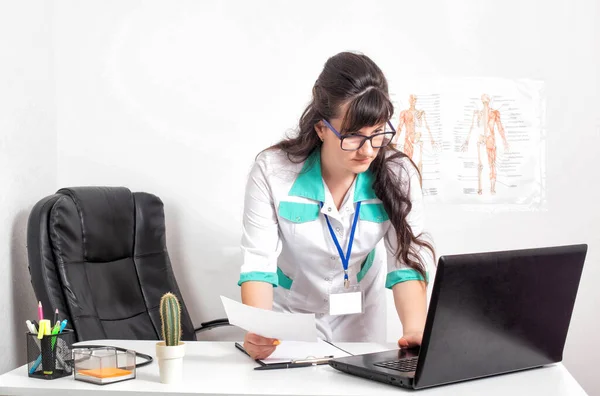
(280, 325)
(289, 351)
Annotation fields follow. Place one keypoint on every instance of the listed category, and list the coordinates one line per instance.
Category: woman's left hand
(410, 339)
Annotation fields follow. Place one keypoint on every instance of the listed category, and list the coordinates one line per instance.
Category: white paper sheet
(266, 323)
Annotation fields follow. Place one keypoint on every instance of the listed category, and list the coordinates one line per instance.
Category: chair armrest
(213, 324)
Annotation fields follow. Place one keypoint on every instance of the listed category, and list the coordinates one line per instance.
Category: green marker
(55, 330)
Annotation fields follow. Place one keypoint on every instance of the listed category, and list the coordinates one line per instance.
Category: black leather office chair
(99, 255)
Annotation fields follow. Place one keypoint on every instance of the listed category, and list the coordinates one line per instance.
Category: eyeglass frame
(365, 138)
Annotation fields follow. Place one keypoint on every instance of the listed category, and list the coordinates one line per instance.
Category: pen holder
(50, 357)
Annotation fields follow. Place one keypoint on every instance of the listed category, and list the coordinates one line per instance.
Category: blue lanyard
(345, 259)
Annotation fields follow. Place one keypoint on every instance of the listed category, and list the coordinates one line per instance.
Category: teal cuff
(269, 277)
(403, 275)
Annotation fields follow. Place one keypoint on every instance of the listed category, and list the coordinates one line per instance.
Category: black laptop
(490, 313)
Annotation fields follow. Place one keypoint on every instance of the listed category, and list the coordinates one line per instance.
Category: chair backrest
(99, 255)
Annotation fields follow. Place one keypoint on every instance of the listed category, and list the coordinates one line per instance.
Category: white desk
(218, 368)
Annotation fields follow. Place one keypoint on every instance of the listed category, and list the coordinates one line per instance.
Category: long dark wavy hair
(355, 80)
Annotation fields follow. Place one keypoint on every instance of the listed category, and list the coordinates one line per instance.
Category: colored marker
(30, 327)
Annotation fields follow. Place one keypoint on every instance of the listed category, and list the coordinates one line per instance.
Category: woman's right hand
(259, 347)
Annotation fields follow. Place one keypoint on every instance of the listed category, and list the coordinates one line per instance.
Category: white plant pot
(170, 362)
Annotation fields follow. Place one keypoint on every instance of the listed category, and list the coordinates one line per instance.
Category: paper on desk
(266, 323)
(295, 350)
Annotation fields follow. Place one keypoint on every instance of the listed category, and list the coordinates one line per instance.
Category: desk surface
(218, 368)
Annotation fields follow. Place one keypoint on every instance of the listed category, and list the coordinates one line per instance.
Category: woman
(325, 209)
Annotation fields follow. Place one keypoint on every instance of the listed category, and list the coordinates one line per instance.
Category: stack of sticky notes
(104, 375)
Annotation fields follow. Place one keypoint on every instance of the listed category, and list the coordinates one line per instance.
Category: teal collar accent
(309, 183)
(363, 190)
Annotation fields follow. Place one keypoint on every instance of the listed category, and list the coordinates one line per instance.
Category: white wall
(176, 98)
(27, 157)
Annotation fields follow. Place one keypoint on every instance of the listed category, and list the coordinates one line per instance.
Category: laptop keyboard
(404, 365)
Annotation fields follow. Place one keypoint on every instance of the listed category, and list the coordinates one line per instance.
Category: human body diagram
(412, 120)
(488, 119)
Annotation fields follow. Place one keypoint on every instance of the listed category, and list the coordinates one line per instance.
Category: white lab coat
(286, 242)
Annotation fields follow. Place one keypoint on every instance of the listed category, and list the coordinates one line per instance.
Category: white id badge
(346, 301)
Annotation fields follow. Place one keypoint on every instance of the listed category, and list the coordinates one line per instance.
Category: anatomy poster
(476, 142)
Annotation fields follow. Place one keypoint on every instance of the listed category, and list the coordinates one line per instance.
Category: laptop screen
(498, 312)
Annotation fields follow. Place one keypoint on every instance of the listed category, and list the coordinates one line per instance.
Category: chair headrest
(106, 218)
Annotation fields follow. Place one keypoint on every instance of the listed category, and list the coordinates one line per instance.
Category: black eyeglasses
(355, 142)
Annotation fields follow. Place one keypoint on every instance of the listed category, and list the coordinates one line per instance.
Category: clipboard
(300, 361)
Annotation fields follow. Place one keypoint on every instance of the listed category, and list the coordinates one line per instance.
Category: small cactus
(170, 319)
